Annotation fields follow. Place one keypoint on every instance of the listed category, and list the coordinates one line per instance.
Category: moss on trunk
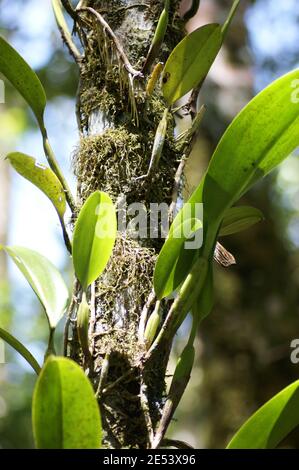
(118, 123)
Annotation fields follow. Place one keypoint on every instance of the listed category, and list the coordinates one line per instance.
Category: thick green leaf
(42, 177)
(94, 237)
(169, 264)
(263, 134)
(65, 413)
(190, 61)
(239, 218)
(271, 423)
(23, 78)
(45, 280)
(20, 348)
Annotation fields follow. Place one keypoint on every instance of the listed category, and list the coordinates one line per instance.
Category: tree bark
(117, 123)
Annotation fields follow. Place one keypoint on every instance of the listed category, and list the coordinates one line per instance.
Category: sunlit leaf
(65, 412)
(20, 348)
(190, 61)
(45, 280)
(271, 423)
(94, 237)
(239, 218)
(263, 134)
(42, 177)
(170, 264)
(23, 78)
(242, 157)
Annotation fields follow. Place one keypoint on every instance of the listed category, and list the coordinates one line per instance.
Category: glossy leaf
(23, 78)
(233, 169)
(190, 61)
(45, 280)
(42, 177)
(271, 423)
(94, 237)
(65, 412)
(239, 218)
(170, 264)
(243, 157)
(263, 134)
(20, 348)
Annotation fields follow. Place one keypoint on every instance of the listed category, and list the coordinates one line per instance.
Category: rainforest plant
(132, 293)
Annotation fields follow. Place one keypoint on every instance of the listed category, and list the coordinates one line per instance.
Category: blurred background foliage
(243, 347)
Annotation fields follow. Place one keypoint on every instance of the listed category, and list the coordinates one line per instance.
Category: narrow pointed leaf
(20, 348)
(62, 25)
(190, 61)
(94, 237)
(65, 413)
(42, 177)
(171, 266)
(45, 280)
(239, 218)
(23, 78)
(271, 424)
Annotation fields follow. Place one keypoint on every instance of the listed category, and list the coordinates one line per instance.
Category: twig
(178, 385)
(106, 27)
(146, 412)
(103, 375)
(144, 315)
(192, 10)
(175, 443)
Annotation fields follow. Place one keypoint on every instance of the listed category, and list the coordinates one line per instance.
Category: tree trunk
(117, 123)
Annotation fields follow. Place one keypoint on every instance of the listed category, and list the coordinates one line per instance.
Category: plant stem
(178, 385)
(230, 17)
(55, 167)
(118, 46)
(21, 349)
(51, 348)
(65, 236)
(182, 304)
